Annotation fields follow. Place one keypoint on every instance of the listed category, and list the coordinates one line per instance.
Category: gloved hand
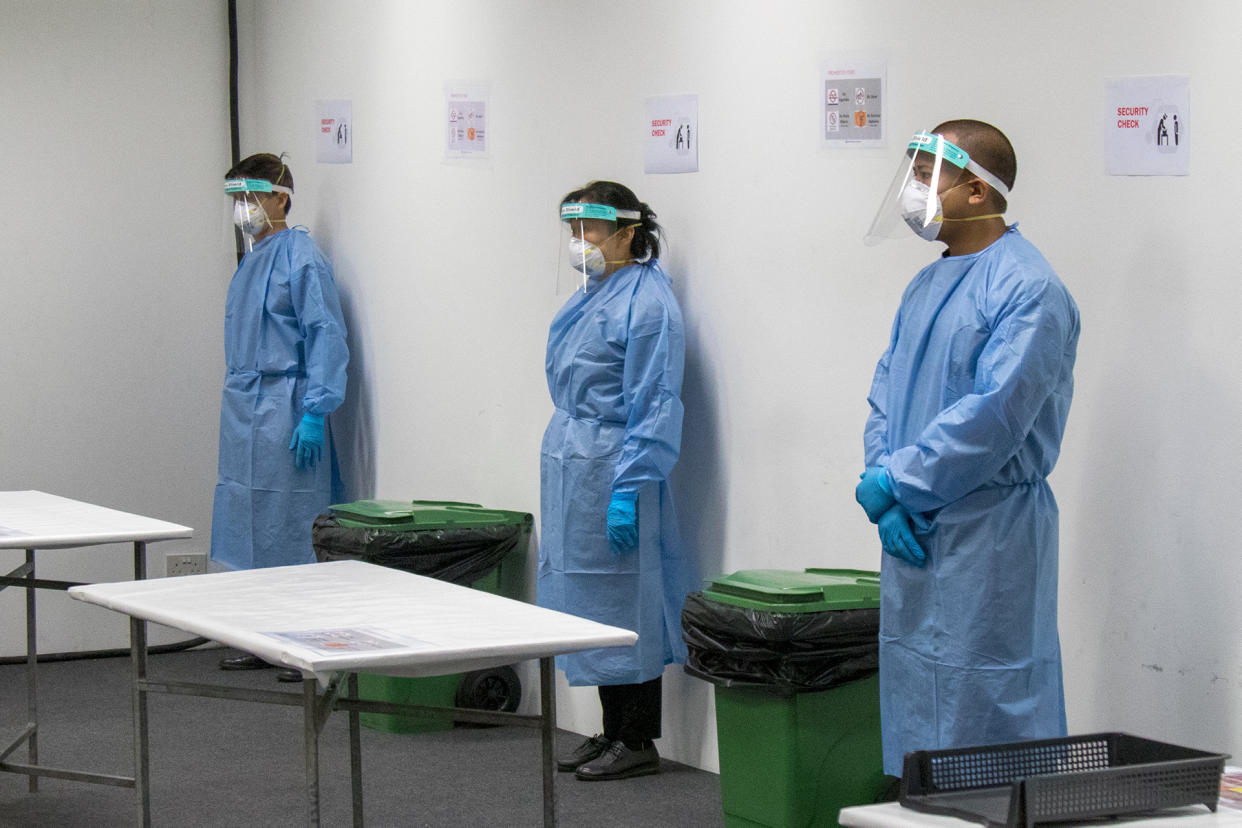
(623, 522)
(874, 493)
(307, 442)
(897, 537)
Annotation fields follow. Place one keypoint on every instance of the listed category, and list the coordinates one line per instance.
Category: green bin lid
(415, 515)
(813, 590)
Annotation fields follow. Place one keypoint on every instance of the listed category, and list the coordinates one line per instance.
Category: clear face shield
(912, 202)
(246, 200)
(584, 228)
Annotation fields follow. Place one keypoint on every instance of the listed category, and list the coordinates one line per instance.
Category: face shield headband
(254, 185)
(581, 259)
(912, 202)
(248, 213)
(955, 155)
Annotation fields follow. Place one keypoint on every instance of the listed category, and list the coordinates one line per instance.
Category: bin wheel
(496, 688)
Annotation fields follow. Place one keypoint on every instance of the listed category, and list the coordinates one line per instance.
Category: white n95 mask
(586, 257)
(250, 217)
(914, 201)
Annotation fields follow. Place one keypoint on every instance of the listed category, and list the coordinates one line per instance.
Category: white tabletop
(354, 616)
(37, 520)
(893, 815)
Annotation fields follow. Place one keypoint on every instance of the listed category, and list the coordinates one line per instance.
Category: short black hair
(268, 167)
(646, 242)
(987, 146)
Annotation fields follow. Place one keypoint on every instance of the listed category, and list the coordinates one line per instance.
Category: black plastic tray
(1094, 776)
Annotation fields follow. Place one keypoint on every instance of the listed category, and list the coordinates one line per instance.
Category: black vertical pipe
(234, 128)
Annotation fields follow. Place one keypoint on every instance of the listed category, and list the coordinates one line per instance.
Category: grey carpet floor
(230, 763)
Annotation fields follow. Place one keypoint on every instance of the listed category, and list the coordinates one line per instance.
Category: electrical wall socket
(194, 563)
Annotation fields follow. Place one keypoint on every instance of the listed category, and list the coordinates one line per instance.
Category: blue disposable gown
(968, 407)
(614, 362)
(285, 356)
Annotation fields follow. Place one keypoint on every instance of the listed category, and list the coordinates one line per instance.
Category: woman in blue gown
(610, 549)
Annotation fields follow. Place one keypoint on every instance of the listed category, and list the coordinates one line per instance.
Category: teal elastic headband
(253, 185)
(958, 157)
(580, 210)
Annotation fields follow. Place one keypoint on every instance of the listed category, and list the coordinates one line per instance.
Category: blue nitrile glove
(874, 493)
(897, 537)
(623, 522)
(307, 442)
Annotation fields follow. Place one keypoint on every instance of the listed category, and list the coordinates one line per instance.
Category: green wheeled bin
(794, 660)
(464, 543)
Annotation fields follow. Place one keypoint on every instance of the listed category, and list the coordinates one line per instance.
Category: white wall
(114, 258)
(447, 272)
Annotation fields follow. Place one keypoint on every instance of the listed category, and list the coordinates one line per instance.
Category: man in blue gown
(968, 407)
(285, 357)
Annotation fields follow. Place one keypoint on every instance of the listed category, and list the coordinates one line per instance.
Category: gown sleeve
(318, 308)
(651, 389)
(875, 433)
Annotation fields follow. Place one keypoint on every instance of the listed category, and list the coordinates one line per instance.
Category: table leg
(311, 734)
(32, 681)
(547, 704)
(355, 754)
(138, 667)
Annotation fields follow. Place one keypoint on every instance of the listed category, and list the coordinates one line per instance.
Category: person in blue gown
(285, 358)
(610, 549)
(968, 408)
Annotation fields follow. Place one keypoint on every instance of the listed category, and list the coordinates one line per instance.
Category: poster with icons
(671, 134)
(1147, 125)
(851, 102)
(465, 112)
(335, 132)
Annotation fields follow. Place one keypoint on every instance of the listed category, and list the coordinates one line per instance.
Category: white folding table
(893, 815)
(36, 521)
(333, 620)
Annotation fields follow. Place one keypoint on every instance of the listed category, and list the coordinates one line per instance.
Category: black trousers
(631, 711)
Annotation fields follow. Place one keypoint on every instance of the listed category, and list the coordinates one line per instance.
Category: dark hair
(988, 146)
(646, 242)
(268, 167)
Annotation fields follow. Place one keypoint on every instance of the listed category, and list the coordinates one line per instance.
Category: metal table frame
(24, 576)
(316, 707)
(48, 522)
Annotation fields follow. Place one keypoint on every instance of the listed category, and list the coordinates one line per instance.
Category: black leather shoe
(619, 762)
(287, 674)
(590, 749)
(244, 662)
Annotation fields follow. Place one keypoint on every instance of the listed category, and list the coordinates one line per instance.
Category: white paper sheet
(37, 520)
(444, 628)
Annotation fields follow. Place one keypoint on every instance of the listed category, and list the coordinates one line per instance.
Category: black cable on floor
(175, 647)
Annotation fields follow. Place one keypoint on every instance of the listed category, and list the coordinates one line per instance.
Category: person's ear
(978, 192)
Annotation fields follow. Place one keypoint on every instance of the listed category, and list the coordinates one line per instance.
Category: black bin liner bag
(460, 555)
(796, 651)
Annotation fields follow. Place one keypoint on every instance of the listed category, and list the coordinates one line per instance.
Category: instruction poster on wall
(335, 141)
(1147, 126)
(852, 94)
(465, 109)
(671, 127)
